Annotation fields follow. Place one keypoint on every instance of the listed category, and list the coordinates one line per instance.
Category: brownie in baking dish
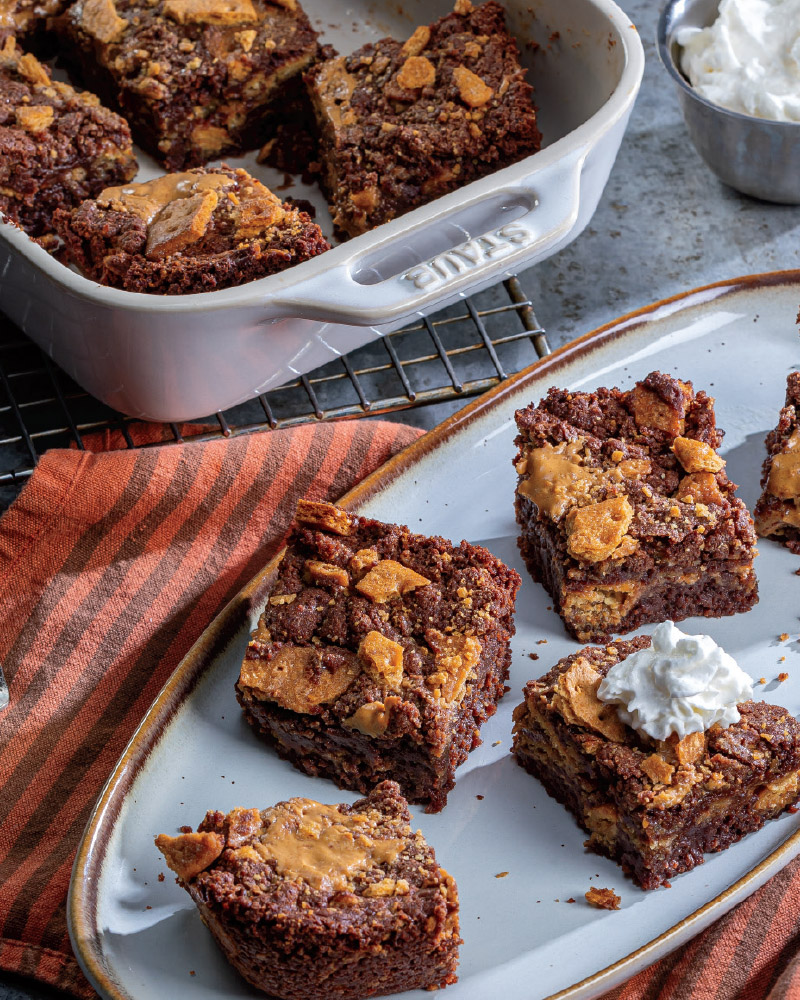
(379, 654)
(654, 806)
(777, 513)
(57, 145)
(197, 79)
(403, 122)
(192, 231)
(310, 901)
(625, 512)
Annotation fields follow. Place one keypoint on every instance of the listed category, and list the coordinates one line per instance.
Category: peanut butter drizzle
(335, 86)
(322, 846)
(784, 474)
(556, 480)
(148, 198)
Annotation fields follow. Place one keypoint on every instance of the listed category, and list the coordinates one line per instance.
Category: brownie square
(310, 901)
(379, 654)
(654, 806)
(197, 79)
(194, 231)
(404, 122)
(626, 514)
(777, 513)
(57, 145)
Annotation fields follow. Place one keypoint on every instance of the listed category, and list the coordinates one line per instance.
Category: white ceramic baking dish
(176, 358)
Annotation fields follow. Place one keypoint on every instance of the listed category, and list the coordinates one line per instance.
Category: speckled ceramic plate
(139, 938)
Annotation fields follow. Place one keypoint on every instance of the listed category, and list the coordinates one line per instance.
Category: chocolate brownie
(625, 511)
(777, 513)
(57, 145)
(654, 806)
(404, 122)
(311, 901)
(194, 231)
(197, 79)
(379, 654)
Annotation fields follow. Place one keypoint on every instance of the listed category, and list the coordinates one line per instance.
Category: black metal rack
(457, 353)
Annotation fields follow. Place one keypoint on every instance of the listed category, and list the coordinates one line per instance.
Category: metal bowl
(756, 156)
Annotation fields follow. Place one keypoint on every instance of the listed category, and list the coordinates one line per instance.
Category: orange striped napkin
(111, 565)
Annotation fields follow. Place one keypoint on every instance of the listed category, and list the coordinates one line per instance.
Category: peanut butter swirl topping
(556, 479)
(322, 846)
(148, 198)
(296, 678)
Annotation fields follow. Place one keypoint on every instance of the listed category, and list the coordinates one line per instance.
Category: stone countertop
(664, 225)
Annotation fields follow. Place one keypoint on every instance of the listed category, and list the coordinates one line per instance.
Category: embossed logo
(467, 256)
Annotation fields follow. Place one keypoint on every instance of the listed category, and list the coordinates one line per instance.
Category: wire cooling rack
(457, 353)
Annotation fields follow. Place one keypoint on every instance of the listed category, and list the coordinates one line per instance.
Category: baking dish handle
(353, 291)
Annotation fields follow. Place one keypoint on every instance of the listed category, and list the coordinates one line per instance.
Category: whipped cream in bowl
(680, 684)
(748, 60)
(735, 65)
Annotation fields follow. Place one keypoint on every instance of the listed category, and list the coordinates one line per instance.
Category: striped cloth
(111, 565)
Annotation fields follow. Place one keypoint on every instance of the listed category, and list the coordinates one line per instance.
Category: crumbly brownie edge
(709, 835)
(186, 274)
(247, 235)
(420, 960)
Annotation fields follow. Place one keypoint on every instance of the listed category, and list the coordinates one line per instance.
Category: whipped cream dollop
(749, 59)
(681, 684)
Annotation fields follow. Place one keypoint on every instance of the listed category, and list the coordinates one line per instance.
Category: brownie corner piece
(194, 231)
(626, 514)
(380, 653)
(198, 79)
(653, 806)
(57, 145)
(349, 885)
(401, 123)
(777, 513)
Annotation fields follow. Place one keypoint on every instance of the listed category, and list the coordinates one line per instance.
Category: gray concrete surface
(665, 225)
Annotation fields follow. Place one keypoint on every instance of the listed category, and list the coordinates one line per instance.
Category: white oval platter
(139, 938)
